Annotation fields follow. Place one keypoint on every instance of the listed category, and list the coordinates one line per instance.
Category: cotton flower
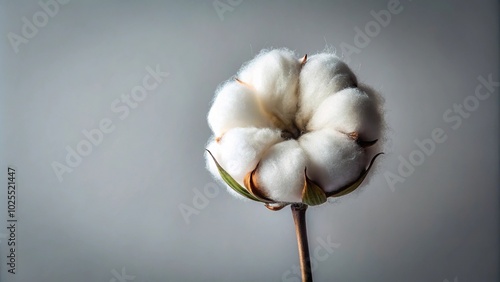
(293, 130)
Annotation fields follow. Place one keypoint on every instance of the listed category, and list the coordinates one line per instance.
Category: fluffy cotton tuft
(333, 158)
(235, 105)
(284, 115)
(283, 166)
(350, 110)
(274, 76)
(325, 75)
(239, 150)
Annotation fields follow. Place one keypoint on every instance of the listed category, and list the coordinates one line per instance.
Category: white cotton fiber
(281, 172)
(235, 105)
(213, 147)
(334, 159)
(240, 149)
(347, 111)
(274, 76)
(321, 76)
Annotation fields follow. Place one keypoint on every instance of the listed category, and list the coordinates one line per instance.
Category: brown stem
(299, 217)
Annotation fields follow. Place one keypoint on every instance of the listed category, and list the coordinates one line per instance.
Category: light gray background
(120, 207)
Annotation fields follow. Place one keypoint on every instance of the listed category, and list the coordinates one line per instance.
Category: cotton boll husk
(235, 105)
(274, 75)
(321, 76)
(347, 111)
(280, 173)
(334, 159)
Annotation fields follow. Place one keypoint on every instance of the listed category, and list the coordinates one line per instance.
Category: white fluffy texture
(235, 105)
(283, 166)
(322, 76)
(350, 110)
(240, 149)
(212, 167)
(274, 75)
(333, 158)
(214, 149)
(280, 99)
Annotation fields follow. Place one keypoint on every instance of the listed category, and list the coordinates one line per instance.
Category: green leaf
(312, 195)
(231, 182)
(353, 186)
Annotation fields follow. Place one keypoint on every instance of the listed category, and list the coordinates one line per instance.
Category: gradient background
(120, 208)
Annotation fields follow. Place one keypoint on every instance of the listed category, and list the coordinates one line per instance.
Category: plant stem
(299, 217)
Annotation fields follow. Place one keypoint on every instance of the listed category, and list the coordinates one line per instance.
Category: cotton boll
(280, 173)
(334, 159)
(235, 105)
(274, 76)
(347, 111)
(321, 76)
(240, 149)
(283, 115)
